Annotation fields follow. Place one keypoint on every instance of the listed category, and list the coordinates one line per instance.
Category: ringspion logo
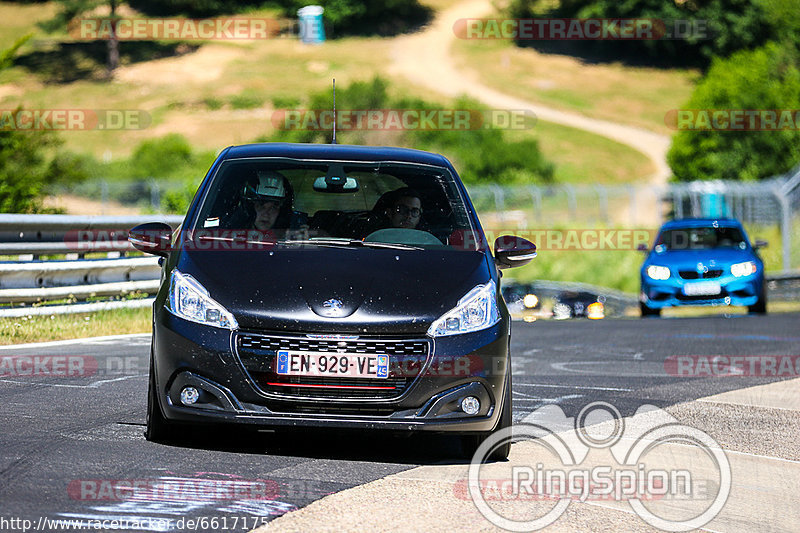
(599, 455)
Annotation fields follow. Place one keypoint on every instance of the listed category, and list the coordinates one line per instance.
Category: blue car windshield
(702, 238)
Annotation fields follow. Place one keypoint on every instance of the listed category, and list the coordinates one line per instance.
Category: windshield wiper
(333, 241)
(237, 239)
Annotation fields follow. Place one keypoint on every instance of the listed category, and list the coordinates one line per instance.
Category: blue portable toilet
(714, 205)
(311, 28)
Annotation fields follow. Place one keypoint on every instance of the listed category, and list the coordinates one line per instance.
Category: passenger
(404, 209)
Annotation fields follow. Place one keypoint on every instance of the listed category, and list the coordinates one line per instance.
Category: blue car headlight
(475, 311)
(191, 301)
(743, 269)
(658, 272)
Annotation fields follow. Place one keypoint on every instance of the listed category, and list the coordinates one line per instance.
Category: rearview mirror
(335, 180)
(152, 238)
(335, 184)
(511, 251)
(760, 244)
(642, 248)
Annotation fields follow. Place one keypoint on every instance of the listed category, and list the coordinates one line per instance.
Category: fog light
(189, 395)
(470, 405)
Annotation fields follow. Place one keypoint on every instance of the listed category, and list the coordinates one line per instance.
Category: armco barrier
(25, 280)
(28, 281)
(61, 234)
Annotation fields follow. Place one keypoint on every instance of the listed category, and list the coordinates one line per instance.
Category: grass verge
(74, 326)
(634, 95)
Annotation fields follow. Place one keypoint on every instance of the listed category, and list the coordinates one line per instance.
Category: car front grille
(257, 353)
(693, 274)
(701, 297)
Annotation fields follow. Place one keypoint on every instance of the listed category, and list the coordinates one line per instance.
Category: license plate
(703, 288)
(299, 363)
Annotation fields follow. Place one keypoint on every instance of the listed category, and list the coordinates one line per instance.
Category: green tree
(731, 25)
(26, 168)
(764, 79)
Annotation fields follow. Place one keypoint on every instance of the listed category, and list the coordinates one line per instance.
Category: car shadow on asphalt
(346, 445)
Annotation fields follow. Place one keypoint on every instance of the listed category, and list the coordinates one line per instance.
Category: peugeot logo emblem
(332, 307)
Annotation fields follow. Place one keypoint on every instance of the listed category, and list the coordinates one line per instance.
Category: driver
(270, 196)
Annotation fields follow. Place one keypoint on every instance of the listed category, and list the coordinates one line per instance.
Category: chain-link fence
(770, 208)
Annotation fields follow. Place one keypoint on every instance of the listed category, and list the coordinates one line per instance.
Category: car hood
(688, 259)
(383, 291)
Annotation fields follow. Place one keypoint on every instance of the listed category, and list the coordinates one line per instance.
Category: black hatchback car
(330, 286)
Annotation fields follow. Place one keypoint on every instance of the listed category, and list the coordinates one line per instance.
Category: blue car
(702, 261)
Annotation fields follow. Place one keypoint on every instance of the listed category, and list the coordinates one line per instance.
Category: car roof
(701, 223)
(344, 152)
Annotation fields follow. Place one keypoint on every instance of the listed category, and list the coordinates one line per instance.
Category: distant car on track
(702, 261)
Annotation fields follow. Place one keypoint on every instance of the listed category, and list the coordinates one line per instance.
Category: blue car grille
(693, 274)
(257, 353)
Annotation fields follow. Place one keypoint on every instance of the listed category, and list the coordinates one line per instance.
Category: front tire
(648, 311)
(471, 443)
(760, 307)
(158, 429)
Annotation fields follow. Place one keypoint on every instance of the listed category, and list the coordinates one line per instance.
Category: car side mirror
(643, 248)
(760, 244)
(152, 238)
(511, 251)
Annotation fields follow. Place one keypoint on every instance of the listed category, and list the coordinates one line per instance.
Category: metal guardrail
(29, 281)
(784, 287)
(26, 282)
(71, 234)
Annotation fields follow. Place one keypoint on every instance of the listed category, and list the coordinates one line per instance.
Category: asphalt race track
(71, 447)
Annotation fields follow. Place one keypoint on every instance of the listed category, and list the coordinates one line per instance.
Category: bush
(482, 155)
(246, 100)
(764, 79)
(160, 157)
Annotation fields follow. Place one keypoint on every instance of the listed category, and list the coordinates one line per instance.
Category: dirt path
(424, 58)
(79, 205)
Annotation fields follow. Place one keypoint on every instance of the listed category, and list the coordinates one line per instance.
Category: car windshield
(702, 238)
(335, 203)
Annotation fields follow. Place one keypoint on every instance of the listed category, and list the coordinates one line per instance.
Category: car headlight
(743, 269)
(658, 272)
(190, 300)
(475, 311)
(530, 301)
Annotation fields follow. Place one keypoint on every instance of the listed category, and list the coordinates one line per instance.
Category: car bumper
(211, 360)
(672, 292)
